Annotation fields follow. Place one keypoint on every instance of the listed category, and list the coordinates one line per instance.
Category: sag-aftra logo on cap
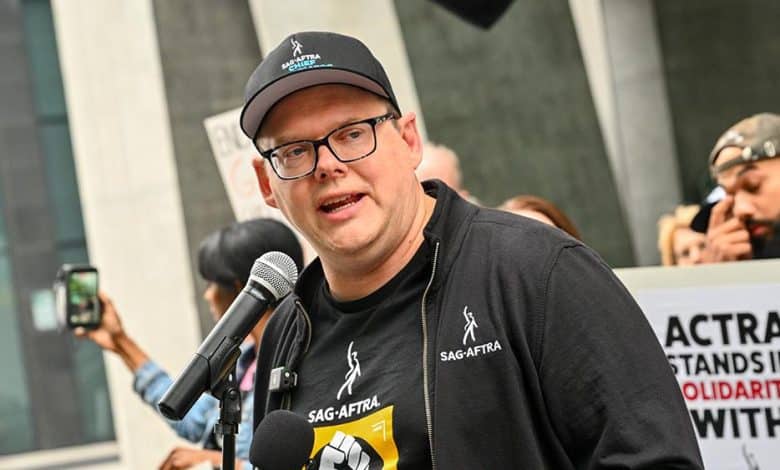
(299, 60)
(296, 47)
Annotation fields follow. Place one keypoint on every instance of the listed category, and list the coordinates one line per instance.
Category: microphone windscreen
(276, 271)
(282, 441)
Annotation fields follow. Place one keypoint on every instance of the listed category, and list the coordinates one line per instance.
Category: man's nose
(744, 208)
(327, 164)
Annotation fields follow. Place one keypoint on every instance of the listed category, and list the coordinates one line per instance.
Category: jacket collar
(449, 222)
(309, 281)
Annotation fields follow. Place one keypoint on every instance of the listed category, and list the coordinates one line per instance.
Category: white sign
(233, 152)
(723, 344)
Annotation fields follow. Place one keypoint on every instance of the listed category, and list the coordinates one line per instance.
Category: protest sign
(723, 345)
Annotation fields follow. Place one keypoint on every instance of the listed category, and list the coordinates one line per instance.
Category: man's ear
(409, 133)
(262, 180)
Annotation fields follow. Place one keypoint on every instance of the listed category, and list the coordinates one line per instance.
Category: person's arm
(111, 336)
(610, 391)
(150, 382)
(132, 355)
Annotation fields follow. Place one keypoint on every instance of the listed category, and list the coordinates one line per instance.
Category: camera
(76, 296)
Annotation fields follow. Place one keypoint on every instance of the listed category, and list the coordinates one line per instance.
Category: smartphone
(76, 293)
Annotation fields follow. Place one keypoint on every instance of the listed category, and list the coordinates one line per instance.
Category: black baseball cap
(308, 59)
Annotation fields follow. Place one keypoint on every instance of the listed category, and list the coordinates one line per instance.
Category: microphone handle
(217, 355)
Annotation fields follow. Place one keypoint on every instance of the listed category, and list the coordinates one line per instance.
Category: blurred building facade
(607, 107)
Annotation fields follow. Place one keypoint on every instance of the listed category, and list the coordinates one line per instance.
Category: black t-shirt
(360, 384)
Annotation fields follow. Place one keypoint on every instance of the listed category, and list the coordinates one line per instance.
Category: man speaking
(431, 333)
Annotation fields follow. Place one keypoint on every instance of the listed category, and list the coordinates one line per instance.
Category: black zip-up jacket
(563, 371)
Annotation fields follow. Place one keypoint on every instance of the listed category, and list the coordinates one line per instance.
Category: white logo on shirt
(352, 374)
(470, 347)
(471, 324)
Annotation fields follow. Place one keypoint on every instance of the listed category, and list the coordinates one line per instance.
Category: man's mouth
(340, 203)
(760, 229)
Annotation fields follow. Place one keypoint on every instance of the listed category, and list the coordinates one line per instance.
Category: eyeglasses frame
(374, 121)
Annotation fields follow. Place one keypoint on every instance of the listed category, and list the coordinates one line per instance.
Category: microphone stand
(229, 417)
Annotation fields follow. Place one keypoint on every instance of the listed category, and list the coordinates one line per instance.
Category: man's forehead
(727, 154)
(729, 177)
(331, 104)
(729, 163)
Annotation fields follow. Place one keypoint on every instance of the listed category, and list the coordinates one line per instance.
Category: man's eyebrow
(293, 137)
(747, 167)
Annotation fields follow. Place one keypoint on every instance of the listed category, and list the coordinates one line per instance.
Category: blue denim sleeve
(245, 431)
(151, 383)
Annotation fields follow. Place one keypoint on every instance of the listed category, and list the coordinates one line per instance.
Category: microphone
(272, 278)
(282, 441)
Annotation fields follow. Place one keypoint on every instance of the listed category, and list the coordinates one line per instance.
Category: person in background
(440, 162)
(678, 243)
(745, 224)
(225, 259)
(542, 210)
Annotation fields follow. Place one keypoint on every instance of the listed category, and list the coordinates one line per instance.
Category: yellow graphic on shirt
(364, 444)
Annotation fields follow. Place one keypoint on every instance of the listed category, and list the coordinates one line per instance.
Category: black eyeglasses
(348, 143)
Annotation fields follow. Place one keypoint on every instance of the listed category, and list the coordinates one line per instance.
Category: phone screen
(83, 303)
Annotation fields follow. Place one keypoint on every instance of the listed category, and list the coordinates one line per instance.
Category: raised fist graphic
(343, 453)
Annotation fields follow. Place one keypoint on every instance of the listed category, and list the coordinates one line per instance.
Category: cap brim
(258, 106)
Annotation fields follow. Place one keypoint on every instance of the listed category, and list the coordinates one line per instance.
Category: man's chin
(347, 244)
(767, 246)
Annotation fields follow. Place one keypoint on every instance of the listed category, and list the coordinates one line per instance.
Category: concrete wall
(515, 104)
(130, 196)
(622, 55)
(207, 50)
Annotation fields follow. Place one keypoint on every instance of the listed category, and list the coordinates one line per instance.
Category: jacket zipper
(426, 379)
(286, 403)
